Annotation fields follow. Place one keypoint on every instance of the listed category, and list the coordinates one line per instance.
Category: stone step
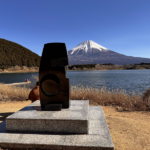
(32, 120)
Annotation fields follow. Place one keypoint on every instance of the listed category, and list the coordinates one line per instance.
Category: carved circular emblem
(50, 85)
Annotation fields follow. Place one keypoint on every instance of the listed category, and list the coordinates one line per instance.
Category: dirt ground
(129, 130)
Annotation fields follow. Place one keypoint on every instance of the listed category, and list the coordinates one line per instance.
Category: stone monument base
(79, 127)
(32, 119)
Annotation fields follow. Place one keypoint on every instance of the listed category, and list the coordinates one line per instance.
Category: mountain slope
(12, 54)
(89, 52)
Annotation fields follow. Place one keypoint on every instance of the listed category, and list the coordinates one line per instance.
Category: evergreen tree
(12, 54)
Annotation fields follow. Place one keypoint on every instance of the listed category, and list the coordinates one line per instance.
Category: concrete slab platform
(32, 120)
(99, 137)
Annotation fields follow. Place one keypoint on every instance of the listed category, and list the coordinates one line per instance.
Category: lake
(129, 80)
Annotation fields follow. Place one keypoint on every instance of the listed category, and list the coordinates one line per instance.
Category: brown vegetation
(20, 69)
(106, 67)
(117, 98)
(146, 98)
(12, 54)
(13, 93)
(76, 67)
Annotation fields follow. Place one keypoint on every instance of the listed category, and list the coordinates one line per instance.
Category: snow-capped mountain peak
(88, 46)
(89, 52)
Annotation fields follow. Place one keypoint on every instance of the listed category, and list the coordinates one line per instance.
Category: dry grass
(146, 98)
(103, 97)
(21, 69)
(12, 93)
(116, 97)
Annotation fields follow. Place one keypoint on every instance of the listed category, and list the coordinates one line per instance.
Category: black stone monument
(54, 86)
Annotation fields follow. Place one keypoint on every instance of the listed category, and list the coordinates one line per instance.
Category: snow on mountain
(89, 52)
(88, 46)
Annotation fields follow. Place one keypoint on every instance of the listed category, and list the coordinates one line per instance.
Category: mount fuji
(89, 52)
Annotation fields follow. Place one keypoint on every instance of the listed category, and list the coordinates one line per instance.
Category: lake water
(129, 80)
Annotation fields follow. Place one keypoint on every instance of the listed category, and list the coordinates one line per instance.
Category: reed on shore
(103, 97)
(115, 97)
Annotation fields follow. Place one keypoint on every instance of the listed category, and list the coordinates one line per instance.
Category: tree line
(13, 54)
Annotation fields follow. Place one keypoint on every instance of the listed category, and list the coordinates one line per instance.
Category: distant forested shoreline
(80, 67)
(108, 66)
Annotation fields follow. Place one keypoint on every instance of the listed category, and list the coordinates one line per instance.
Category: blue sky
(119, 25)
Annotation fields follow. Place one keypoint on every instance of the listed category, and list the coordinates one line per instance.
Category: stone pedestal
(32, 120)
(79, 127)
